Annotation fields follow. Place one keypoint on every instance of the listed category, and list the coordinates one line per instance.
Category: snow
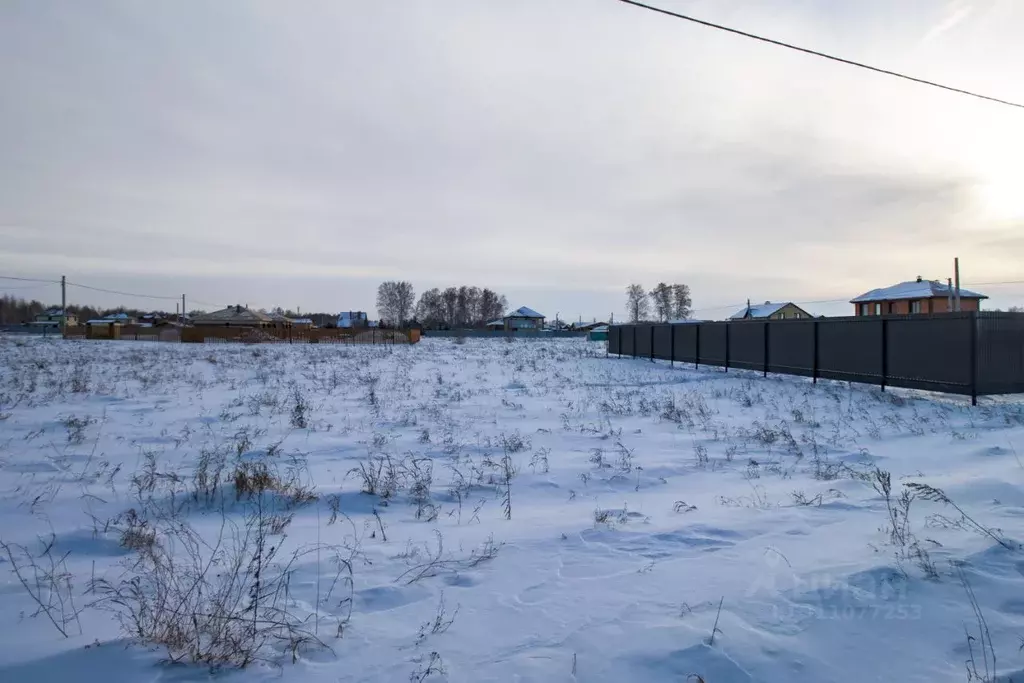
(646, 496)
(914, 289)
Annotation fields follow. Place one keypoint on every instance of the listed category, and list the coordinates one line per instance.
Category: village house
(915, 297)
(234, 316)
(522, 319)
(351, 319)
(52, 318)
(770, 311)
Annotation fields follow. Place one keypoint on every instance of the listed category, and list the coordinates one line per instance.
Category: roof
(759, 311)
(914, 289)
(103, 321)
(524, 312)
(234, 314)
(302, 321)
(500, 321)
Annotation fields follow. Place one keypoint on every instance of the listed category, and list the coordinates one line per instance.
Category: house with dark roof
(771, 311)
(234, 316)
(913, 297)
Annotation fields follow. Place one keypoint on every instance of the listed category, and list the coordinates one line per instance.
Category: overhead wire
(823, 55)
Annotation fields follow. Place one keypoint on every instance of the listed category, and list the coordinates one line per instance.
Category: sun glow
(1003, 199)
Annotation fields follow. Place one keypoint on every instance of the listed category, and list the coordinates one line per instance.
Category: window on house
(892, 307)
(878, 309)
(782, 316)
(915, 306)
(865, 309)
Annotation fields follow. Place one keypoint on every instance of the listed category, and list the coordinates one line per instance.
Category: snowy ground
(541, 513)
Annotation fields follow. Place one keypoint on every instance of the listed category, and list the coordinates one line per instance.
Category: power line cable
(29, 279)
(823, 55)
(112, 291)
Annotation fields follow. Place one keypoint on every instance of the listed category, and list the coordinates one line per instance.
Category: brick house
(913, 297)
(770, 311)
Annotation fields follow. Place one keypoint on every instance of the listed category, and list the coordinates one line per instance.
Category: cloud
(555, 151)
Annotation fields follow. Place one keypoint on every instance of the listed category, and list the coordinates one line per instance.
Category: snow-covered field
(539, 512)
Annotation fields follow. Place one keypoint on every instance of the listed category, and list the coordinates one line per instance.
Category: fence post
(696, 348)
(672, 344)
(814, 368)
(885, 352)
(973, 319)
(767, 327)
(727, 325)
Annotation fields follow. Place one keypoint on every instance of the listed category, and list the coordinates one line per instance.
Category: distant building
(52, 318)
(523, 319)
(120, 318)
(913, 297)
(302, 323)
(352, 319)
(234, 316)
(770, 311)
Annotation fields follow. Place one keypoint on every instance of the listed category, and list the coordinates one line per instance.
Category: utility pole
(956, 275)
(63, 305)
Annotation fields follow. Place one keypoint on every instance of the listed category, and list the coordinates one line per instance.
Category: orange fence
(208, 335)
(244, 335)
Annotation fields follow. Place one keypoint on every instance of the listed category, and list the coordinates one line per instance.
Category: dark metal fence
(960, 353)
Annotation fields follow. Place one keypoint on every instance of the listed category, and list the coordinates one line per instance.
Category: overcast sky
(298, 153)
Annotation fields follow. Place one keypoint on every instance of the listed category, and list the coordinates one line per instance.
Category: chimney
(918, 278)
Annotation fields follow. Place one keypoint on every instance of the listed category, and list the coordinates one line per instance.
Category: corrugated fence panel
(628, 337)
(930, 353)
(1000, 353)
(746, 345)
(791, 347)
(663, 342)
(712, 343)
(945, 352)
(686, 342)
(643, 340)
(850, 350)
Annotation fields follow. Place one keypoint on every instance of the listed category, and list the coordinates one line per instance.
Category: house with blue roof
(523, 318)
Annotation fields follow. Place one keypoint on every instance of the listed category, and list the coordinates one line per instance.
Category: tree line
(451, 307)
(669, 302)
(15, 311)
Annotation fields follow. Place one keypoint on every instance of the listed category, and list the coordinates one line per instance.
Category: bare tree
(637, 303)
(492, 306)
(394, 302)
(661, 296)
(681, 302)
(430, 309)
(450, 301)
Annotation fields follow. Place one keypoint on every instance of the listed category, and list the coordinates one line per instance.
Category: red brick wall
(934, 305)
